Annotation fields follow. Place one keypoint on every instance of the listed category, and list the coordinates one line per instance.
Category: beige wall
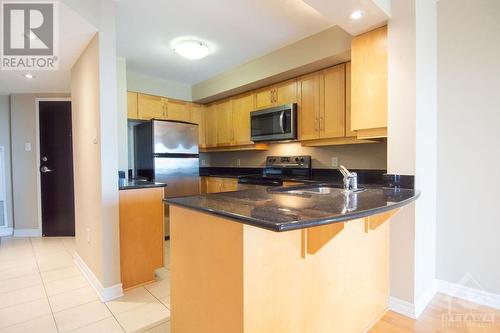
(24, 163)
(326, 48)
(160, 87)
(364, 156)
(5, 142)
(96, 209)
(469, 158)
(411, 147)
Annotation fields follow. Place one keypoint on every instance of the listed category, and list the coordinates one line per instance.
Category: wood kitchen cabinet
(218, 184)
(198, 117)
(322, 104)
(225, 131)
(177, 110)
(348, 131)
(151, 107)
(132, 105)
(242, 106)
(278, 94)
(369, 83)
(211, 126)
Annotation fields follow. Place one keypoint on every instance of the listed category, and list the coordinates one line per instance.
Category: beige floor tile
(18, 271)
(162, 273)
(72, 298)
(14, 261)
(132, 298)
(20, 283)
(159, 289)
(23, 312)
(81, 316)
(60, 259)
(109, 325)
(44, 324)
(21, 296)
(166, 301)
(163, 328)
(61, 286)
(60, 273)
(143, 317)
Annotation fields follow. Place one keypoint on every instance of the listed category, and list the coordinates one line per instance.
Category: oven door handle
(282, 122)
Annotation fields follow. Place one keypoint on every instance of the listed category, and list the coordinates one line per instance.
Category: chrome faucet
(350, 179)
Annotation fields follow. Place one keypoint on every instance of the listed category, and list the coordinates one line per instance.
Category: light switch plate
(27, 146)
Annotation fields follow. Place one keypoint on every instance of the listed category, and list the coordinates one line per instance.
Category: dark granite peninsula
(309, 258)
(138, 184)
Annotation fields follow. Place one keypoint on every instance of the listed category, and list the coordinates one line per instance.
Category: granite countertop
(138, 184)
(290, 208)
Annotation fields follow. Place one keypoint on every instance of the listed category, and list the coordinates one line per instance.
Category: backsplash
(361, 156)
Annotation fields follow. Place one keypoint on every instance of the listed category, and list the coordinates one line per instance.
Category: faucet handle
(350, 179)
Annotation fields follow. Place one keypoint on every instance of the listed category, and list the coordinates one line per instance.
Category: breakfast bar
(311, 258)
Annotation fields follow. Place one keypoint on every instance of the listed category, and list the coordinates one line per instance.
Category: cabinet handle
(316, 121)
(321, 123)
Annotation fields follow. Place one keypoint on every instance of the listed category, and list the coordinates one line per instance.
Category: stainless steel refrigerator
(167, 152)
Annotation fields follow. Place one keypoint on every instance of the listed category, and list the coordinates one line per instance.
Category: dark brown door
(56, 168)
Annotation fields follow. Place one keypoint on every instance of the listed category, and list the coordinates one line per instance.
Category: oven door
(278, 123)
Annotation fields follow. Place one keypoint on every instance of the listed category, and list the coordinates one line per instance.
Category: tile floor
(43, 291)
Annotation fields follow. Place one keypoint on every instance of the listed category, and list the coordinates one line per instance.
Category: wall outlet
(335, 162)
(238, 162)
(204, 163)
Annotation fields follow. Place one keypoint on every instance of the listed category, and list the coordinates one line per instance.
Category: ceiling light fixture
(192, 49)
(29, 76)
(357, 14)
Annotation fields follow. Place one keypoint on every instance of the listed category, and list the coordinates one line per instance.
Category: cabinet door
(286, 93)
(198, 117)
(132, 105)
(369, 80)
(332, 115)
(348, 131)
(224, 123)
(211, 126)
(150, 107)
(309, 106)
(229, 185)
(214, 185)
(242, 106)
(178, 110)
(264, 98)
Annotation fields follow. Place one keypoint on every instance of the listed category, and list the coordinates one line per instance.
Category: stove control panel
(303, 161)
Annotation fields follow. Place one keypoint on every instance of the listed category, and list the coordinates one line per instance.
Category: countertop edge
(141, 186)
(297, 226)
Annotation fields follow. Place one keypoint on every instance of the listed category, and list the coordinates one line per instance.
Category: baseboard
(105, 294)
(473, 295)
(27, 232)
(425, 299)
(402, 307)
(6, 231)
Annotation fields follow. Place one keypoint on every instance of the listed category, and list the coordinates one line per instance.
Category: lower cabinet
(218, 184)
(141, 235)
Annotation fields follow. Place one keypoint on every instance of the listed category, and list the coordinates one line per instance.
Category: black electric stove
(279, 168)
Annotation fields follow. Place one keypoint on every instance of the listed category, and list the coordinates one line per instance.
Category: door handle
(44, 169)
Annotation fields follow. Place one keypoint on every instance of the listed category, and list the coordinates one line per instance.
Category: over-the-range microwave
(274, 124)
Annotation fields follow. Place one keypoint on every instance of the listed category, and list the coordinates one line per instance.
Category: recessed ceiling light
(192, 49)
(29, 76)
(357, 14)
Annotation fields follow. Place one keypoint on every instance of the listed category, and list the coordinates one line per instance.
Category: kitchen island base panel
(230, 277)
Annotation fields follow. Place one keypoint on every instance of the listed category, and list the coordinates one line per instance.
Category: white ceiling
(74, 35)
(236, 30)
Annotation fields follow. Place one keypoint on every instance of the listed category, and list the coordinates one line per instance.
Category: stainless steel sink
(315, 189)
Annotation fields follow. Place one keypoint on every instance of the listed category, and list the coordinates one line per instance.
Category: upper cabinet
(369, 84)
(278, 94)
(177, 110)
(242, 106)
(322, 110)
(132, 105)
(151, 107)
(225, 131)
(211, 126)
(348, 128)
(198, 112)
